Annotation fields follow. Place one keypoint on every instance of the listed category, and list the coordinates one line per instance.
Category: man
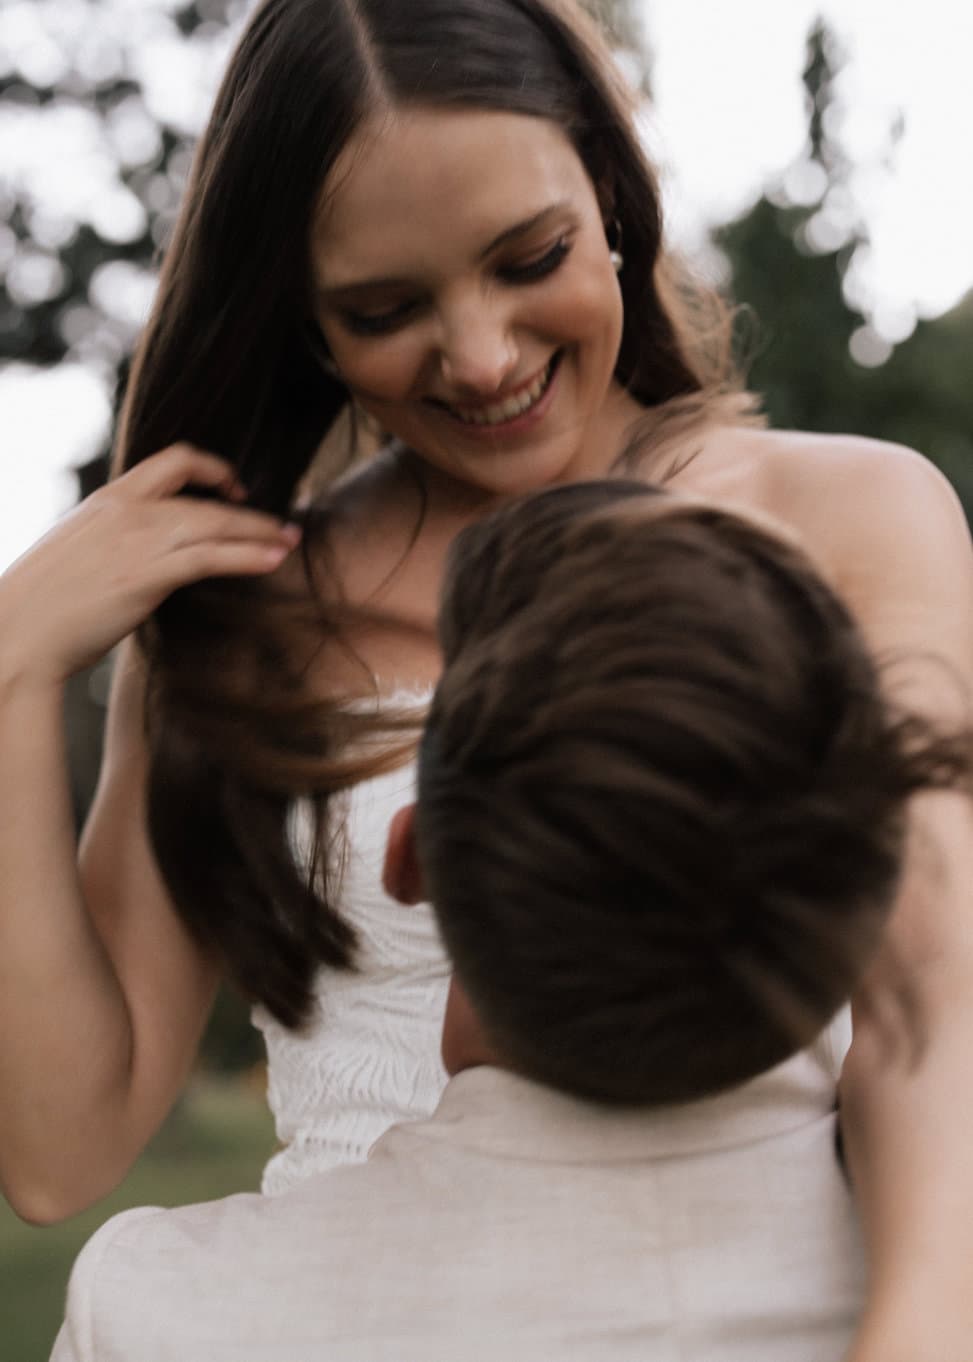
(660, 816)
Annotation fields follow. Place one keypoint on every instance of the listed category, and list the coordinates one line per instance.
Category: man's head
(661, 799)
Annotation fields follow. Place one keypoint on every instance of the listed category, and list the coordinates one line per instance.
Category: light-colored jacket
(516, 1225)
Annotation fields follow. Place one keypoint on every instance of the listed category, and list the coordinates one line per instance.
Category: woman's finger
(224, 559)
(179, 466)
(196, 522)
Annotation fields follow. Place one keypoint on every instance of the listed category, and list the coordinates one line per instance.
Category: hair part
(662, 800)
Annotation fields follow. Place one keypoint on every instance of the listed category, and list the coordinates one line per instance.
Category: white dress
(369, 1055)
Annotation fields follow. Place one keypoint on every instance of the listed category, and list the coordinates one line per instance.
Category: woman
(439, 210)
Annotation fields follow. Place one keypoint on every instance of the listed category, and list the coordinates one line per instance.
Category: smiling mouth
(519, 404)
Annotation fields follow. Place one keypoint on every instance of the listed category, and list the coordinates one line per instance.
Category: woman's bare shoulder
(838, 493)
(785, 468)
(800, 466)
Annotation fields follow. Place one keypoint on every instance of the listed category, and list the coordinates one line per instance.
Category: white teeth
(500, 412)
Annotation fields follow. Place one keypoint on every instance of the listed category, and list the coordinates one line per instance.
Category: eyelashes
(377, 323)
(540, 268)
(381, 323)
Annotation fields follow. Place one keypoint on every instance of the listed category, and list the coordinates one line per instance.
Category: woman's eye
(377, 323)
(541, 267)
(381, 323)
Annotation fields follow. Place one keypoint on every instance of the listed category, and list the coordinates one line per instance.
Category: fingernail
(292, 533)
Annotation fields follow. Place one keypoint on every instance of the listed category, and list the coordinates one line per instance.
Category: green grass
(215, 1143)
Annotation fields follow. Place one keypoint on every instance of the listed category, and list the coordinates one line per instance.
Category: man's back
(516, 1223)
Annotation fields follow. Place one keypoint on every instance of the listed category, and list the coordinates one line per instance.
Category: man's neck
(465, 1044)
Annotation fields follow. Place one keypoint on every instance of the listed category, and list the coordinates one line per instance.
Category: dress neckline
(410, 697)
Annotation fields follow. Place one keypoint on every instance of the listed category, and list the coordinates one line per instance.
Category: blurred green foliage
(214, 1143)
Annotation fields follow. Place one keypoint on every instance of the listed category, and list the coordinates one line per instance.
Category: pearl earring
(615, 245)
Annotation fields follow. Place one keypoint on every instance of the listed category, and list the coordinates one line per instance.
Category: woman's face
(464, 288)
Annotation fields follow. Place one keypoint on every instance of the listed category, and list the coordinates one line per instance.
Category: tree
(923, 396)
(813, 352)
(620, 19)
(789, 281)
(77, 71)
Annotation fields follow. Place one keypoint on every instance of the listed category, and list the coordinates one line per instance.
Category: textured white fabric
(516, 1223)
(369, 1055)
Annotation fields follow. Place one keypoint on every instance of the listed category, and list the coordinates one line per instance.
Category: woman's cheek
(591, 309)
(383, 373)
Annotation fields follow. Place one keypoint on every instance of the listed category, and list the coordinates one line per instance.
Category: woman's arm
(906, 1112)
(102, 994)
(897, 541)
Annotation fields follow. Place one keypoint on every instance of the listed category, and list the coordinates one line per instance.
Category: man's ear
(401, 874)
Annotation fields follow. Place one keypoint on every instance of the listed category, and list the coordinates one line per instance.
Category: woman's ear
(401, 874)
(606, 195)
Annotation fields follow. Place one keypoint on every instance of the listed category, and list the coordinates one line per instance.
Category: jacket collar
(501, 1113)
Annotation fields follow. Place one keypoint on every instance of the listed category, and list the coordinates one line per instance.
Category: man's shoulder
(106, 1247)
(151, 1279)
(235, 1227)
(420, 1252)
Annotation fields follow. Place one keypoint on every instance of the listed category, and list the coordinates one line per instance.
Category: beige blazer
(516, 1225)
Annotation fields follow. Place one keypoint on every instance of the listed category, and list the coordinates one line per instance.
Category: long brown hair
(662, 800)
(228, 361)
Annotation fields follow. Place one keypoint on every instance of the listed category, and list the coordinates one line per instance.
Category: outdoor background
(815, 163)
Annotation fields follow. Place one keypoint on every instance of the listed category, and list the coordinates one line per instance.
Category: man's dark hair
(662, 799)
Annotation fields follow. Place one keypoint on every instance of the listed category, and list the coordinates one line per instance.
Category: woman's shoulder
(785, 469)
(872, 510)
(883, 525)
(801, 466)
(841, 494)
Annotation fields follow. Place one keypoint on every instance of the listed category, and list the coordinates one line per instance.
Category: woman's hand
(104, 568)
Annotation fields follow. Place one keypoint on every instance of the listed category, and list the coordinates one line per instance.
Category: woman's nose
(478, 353)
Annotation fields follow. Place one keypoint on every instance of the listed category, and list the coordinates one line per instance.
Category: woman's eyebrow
(338, 292)
(522, 228)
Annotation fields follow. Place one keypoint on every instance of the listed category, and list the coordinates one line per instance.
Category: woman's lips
(509, 411)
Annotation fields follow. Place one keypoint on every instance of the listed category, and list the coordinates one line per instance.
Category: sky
(728, 120)
(730, 117)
